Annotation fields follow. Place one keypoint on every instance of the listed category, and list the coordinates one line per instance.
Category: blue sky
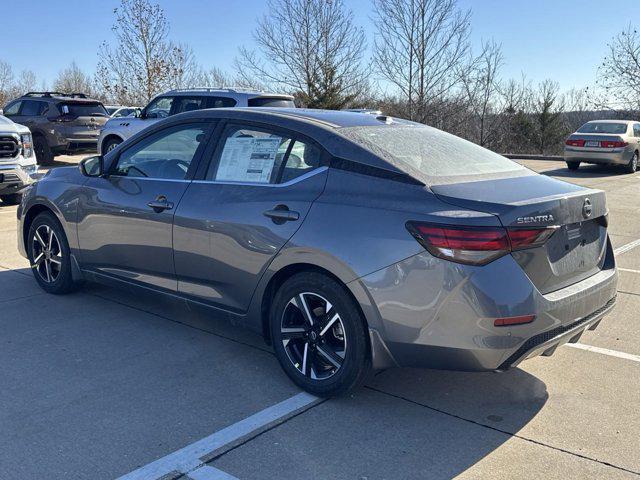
(561, 39)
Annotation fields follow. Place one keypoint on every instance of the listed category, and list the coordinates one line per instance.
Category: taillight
(475, 245)
(574, 143)
(607, 144)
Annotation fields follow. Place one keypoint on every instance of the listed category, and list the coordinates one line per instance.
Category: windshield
(271, 102)
(603, 127)
(430, 154)
(83, 109)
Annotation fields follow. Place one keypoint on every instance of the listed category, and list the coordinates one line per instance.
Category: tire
(110, 145)
(11, 199)
(336, 346)
(632, 166)
(573, 165)
(44, 155)
(55, 277)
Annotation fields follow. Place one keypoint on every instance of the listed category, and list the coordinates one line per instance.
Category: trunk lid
(83, 120)
(574, 252)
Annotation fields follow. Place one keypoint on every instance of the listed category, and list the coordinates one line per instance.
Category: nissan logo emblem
(587, 209)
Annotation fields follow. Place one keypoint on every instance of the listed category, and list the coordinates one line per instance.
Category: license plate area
(592, 143)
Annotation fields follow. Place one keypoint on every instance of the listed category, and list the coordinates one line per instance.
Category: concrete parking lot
(105, 383)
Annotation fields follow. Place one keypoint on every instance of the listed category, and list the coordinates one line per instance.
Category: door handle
(281, 214)
(160, 204)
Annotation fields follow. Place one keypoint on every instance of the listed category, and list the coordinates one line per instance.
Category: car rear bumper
(437, 314)
(611, 157)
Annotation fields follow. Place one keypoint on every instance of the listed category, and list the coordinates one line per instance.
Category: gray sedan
(351, 242)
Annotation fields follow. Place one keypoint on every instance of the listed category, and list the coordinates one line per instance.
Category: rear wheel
(573, 165)
(632, 166)
(110, 144)
(49, 254)
(11, 199)
(44, 155)
(319, 335)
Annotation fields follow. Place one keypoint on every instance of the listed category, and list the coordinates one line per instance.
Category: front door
(230, 224)
(125, 218)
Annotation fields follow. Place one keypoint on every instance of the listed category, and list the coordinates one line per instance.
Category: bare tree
(419, 48)
(619, 74)
(482, 89)
(6, 82)
(143, 62)
(73, 79)
(310, 47)
(548, 106)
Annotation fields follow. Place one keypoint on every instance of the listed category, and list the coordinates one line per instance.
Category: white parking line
(605, 351)
(627, 247)
(189, 458)
(628, 270)
(207, 472)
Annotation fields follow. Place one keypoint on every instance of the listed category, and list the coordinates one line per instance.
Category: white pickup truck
(18, 166)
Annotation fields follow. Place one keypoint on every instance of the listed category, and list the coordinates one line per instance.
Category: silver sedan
(605, 142)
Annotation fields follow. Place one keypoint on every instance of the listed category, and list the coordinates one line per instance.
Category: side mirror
(138, 113)
(92, 166)
(1, 111)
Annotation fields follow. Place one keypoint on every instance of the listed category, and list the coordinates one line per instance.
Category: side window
(12, 109)
(220, 102)
(256, 155)
(303, 158)
(32, 108)
(166, 154)
(159, 108)
(636, 130)
(188, 104)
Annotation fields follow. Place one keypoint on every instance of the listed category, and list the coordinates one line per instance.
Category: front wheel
(319, 335)
(111, 144)
(49, 255)
(573, 165)
(632, 166)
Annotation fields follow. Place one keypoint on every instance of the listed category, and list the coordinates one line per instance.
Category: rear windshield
(429, 154)
(603, 127)
(83, 109)
(271, 102)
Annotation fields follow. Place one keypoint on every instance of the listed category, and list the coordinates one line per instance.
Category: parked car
(117, 111)
(604, 142)
(185, 100)
(61, 123)
(349, 241)
(18, 165)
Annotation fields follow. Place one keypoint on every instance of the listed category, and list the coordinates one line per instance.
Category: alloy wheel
(47, 253)
(313, 336)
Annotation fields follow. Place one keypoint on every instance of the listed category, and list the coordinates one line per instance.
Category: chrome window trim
(255, 184)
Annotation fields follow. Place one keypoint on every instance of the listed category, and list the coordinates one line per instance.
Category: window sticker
(248, 159)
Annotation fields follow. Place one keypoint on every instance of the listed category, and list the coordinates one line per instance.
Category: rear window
(429, 154)
(83, 109)
(271, 102)
(603, 127)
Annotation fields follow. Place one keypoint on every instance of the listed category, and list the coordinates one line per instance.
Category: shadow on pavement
(590, 171)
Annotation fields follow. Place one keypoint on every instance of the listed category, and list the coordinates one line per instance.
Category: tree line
(422, 67)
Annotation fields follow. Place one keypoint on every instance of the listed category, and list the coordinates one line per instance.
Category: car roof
(229, 92)
(612, 121)
(322, 126)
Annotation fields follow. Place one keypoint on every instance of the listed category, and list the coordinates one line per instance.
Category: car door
(255, 194)
(125, 218)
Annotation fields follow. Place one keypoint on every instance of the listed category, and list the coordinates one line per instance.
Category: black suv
(61, 123)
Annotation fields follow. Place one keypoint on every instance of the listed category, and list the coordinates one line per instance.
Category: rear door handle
(160, 204)
(281, 214)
